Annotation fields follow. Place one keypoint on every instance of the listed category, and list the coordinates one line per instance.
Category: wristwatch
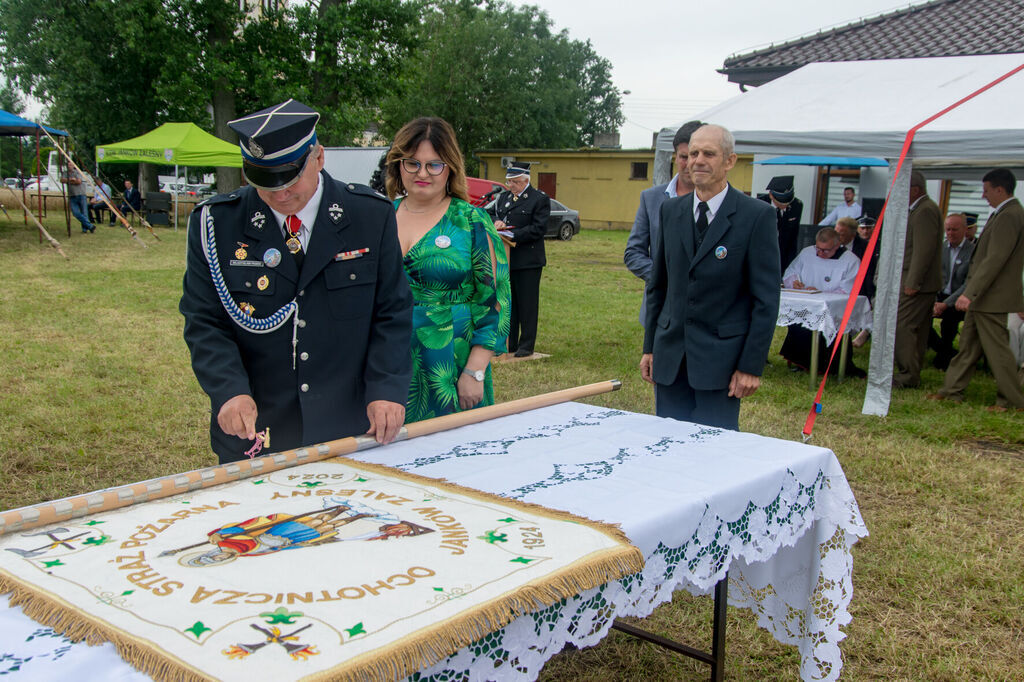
(478, 375)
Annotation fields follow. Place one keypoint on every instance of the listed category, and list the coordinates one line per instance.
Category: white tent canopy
(866, 108)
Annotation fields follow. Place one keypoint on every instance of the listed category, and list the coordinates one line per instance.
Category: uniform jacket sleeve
(209, 332)
(657, 281)
(638, 247)
(388, 356)
(764, 276)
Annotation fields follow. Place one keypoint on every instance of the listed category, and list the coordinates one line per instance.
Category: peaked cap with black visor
(276, 143)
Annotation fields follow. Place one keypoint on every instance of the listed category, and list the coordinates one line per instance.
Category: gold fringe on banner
(394, 661)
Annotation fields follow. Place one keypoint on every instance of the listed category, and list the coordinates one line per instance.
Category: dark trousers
(96, 212)
(681, 401)
(942, 342)
(525, 304)
(913, 320)
(796, 348)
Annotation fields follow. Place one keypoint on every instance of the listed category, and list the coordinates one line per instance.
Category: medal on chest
(293, 244)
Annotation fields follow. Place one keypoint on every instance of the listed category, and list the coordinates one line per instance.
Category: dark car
(563, 223)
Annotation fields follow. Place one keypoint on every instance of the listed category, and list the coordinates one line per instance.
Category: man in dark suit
(921, 280)
(993, 289)
(131, 201)
(523, 211)
(713, 295)
(956, 258)
(648, 215)
(788, 212)
(297, 311)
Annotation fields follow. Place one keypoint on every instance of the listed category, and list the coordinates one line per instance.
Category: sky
(666, 53)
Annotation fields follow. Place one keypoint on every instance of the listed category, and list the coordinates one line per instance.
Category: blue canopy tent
(16, 126)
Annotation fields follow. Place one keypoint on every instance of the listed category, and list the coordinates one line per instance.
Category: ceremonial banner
(334, 569)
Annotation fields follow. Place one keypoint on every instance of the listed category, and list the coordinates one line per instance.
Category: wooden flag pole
(67, 508)
(42, 230)
(106, 200)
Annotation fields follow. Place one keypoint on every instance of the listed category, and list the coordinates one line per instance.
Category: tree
(503, 78)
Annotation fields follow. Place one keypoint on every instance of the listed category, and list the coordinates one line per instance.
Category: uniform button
(303, 355)
(302, 323)
(351, 186)
(352, 276)
(304, 388)
(248, 284)
(302, 293)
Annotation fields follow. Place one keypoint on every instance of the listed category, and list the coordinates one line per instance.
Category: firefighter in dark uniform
(297, 311)
(788, 211)
(523, 210)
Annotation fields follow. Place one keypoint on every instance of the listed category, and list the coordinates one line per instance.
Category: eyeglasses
(412, 166)
(830, 249)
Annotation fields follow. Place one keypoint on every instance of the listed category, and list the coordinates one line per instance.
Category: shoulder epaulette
(226, 198)
(365, 190)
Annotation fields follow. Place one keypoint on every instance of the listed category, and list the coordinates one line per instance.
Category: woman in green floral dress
(456, 267)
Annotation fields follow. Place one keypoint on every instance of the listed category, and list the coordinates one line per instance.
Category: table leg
(815, 339)
(844, 350)
(716, 659)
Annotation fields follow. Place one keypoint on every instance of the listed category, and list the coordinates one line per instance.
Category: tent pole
(21, 176)
(175, 186)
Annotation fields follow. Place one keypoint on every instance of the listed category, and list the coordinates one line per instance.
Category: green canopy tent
(173, 144)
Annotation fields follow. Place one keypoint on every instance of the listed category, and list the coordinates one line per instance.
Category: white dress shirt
(307, 215)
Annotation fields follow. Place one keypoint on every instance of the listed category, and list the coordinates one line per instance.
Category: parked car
(190, 190)
(563, 223)
(44, 183)
(13, 183)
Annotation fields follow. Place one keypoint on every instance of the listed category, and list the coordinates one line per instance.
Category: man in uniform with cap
(297, 311)
(523, 211)
(788, 211)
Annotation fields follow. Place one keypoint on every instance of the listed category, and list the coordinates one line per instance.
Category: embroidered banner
(333, 569)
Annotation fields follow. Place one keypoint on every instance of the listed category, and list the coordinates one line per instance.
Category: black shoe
(523, 353)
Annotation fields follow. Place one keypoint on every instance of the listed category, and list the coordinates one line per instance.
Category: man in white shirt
(827, 266)
(849, 208)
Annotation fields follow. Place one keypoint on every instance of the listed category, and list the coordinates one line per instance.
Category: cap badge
(255, 149)
(262, 283)
(721, 252)
(335, 212)
(258, 220)
(271, 257)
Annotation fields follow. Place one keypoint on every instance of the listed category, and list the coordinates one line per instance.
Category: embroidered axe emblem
(335, 212)
(258, 220)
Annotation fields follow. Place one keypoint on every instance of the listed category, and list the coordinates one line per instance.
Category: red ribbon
(870, 250)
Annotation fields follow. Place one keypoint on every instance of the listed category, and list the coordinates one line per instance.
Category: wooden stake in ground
(46, 513)
(106, 200)
(42, 230)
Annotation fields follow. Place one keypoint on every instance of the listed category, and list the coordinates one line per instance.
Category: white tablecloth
(822, 312)
(778, 516)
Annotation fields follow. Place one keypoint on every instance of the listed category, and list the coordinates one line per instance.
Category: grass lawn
(96, 390)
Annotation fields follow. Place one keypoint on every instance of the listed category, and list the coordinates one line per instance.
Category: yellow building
(604, 185)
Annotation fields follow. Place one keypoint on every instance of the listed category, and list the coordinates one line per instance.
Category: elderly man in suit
(956, 257)
(648, 215)
(993, 289)
(922, 279)
(713, 293)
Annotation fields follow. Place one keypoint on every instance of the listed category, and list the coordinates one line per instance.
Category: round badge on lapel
(262, 283)
(443, 241)
(271, 257)
(721, 252)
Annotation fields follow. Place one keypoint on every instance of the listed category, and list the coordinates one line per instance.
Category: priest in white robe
(829, 267)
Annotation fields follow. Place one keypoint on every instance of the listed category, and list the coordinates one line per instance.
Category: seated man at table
(829, 267)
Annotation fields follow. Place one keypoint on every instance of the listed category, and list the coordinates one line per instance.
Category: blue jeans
(80, 209)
